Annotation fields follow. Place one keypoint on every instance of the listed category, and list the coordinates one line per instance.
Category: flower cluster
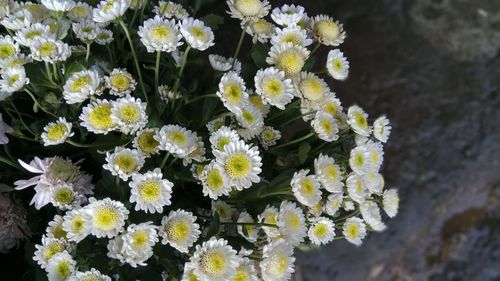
(167, 156)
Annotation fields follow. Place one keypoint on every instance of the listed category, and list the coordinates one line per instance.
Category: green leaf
(214, 227)
(213, 21)
(259, 54)
(304, 150)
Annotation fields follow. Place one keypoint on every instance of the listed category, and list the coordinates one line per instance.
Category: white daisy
(390, 202)
(107, 217)
(356, 188)
(382, 129)
(291, 223)
(232, 91)
(216, 124)
(273, 87)
(123, 162)
(198, 154)
(337, 65)
(110, 10)
(4, 129)
(360, 160)
(371, 215)
(49, 50)
(18, 60)
(257, 102)
(329, 105)
(120, 82)
(103, 36)
(306, 188)
(348, 205)
(150, 191)
(245, 10)
(160, 35)
(63, 196)
(269, 136)
(135, 245)
(146, 143)
(197, 34)
(246, 270)
(82, 85)
(288, 15)
(358, 120)
(249, 232)
(261, 30)
(18, 20)
(224, 64)
(58, 5)
(224, 210)
(269, 216)
(180, 230)
(252, 121)
(48, 249)
(223, 136)
(26, 35)
(177, 140)
(55, 228)
(313, 87)
(329, 173)
(327, 31)
(215, 260)
(13, 79)
(288, 57)
(76, 225)
(321, 231)
(170, 10)
(291, 34)
(374, 182)
(376, 154)
(91, 275)
(333, 203)
(325, 126)
(85, 31)
(354, 230)
(278, 261)
(80, 12)
(129, 114)
(96, 117)
(215, 182)
(60, 267)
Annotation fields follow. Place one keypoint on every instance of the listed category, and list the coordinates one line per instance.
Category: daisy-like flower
(61, 267)
(232, 91)
(354, 230)
(216, 124)
(16, 61)
(224, 210)
(120, 82)
(288, 57)
(241, 164)
(58, 5)
(223, 136)
(249, 231)
(215, 260)
(329, 105)
(85, 31)
(146, 143)
(177, 140)
(48, 249)
(327, 31)
(288, 15)
(215, 182)
(96, 117)
(55, 228)
(252, 121)
(269, 216)
(91, 275)
(110, 10)
(135, 245)
(278, 261)
(76, 225)
(26, 35)
(291, 223)
(390, 202)
(245, 10)
(382, 129)
(246, 270)
(337, 65)
(291, 34)
(325, 126)
(129, 114)
(360, 160)
(81, 11)
(321, 231)
(257, 102)
(63, 196)
(356, 188)
(328, 173)
(49, 50)
(197, 34)
(374, 182)
(273, 87)
(348, 205)
(306, 188)
(333, 203)
(18, 20)
(371, 215)
(123, 162)
(269, 136)
(160, 35)
(376, 154)
(150, 191)
(358, 120)
(224, 64)
(59, 28)
(198, 153)
(261, 30)
(13, 79)
(180, 230)
(107, 217)
(81, 85)
(4, 129)
(167, 95)
(170, 10)
(103, 36)
(312, 87)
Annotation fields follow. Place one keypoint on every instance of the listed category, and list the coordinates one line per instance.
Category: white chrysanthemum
(107, 217)
(215, 124)
(278, 261)
(241, 164)
(170, 10)
(177, 140)
(257, 102)
(306, 188)
(18, 60)
(120, 82)
(348, 205)
(76, 225)
(124, 162)
(245, 10)
(215, 182)
(376, 154)
(198, 153)
(81, 86)
(232, 91)
(337, 65)
(85, 31)
(223, 136)
(261, 30)
(321, 231)
(146, 143)
(197, 34)
(180, 230)
(96, 117)
(63, 196)
(49, 50)
(288, 15)
(224, 64)
(374, 182)
(249, 231)
(246, 270)
(269, 136)
(49, 247)
(160, 35)
(313, 87)
(26, 35)
(291, 34)
(325, 126)
(382, 129)
(356, 188)
(224, 210)
(215, 260)
(269, 216)
(333, 203)
(58, 5)
(110, 10)
(329, 105)
(251, 119)
(91, 275)
(80, 12)
(135, 245)
(129, 114)
(327, 31)
(390, 202)
(60, 267)
(150, 191)
(328, 173)
(358, 120)
(273, 87)
(360, 160)
(354, 230)
(18, 20)
(371, 215)
(55, 228)
(291, 223)
(288, 57)
(13, 79)
(103, 36)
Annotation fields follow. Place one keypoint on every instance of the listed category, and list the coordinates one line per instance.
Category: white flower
(180, 230)
(374, 182)
(107, 217)
(18, 60)
(160, 35)
(170, 10)
(109, 10)
(291, 34)
(382, 129)
(120, 82)
(224, 64)
(146, 143)
(18, 20)
(257, 102)
(215, 182)
(96, 117)
(129, 114)
(333, 203)
(261, 30)
(81, 86)
(91, 275)
(252, 121)
(177, 140)
(4, 129)
(390, 202)
(13, 79)
(134, 246)
(196, 34)
(80, 12)
(224, 210)
(60, 267)
(376, 154)
(328, 173)
(358, 120)
(246, 270)
(325, 126)
(223, 136)
(232, 91)
(245, 10)
(123, 162)
(306, 188)
(55, 228)
(329, 105)
(64, 197)
(86, 31)
(49, 248)
(198, 153)
(312, 87)
(76, 225)
(356, 188)
(354, 230)
(321, 231)
(337, 65)
(269, 136)
(103, 36)
(327, 31)
(371, 215)
(215, 260)
(273, 87)
(288, 57)
(58, 5)
(288, 15)
(150, 191)
(26, 35)
(241, 164)
(269, 216)
(291, 223)
(278, 261)
(360, 160)
(167, 95)
(49, 50)
(250, 232)
(215, 124)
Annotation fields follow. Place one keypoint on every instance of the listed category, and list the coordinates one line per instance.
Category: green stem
(207, 96)
(49, 73)
(315, 48)
(157, 71)
(297, 118)
(56, 72)
(82, 145)
(164, 161)
(355, 213)
(88, 54)
(238, 47)
(293, 142)
(38, 104)
(181, 71)
(21, 119)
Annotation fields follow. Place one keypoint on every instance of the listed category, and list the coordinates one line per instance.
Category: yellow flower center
(59, 232)
(199, 33)
(79, 11)
(261, 26)
(150, 190)
(129, 113)
(161, 33)
(221, 143)
(140, 239)
(374, 156)
(268, 135)
(100, 117)
(233, 93)
(292, 220)
(64, 196)
(47, 49)
(248, 8)
(13, 79)
(257, 102)
(291, 62)
(147, 142)
(178, 231)
(292, 38)
(214, 180)
(6, 51)
(360, 120)
(327, 30)
(80, 82)
(273, 87)
(192, 277)
(108, 5)
(307, 187)
(352, 231)
(32, 34)
(103, 36)
(126, 163)
(105, 218)
(120, 82)
(320, 230)
(312, 89)
(282, 263)
(78, 224)
(327, 126)
(330, 108)
(359, 160)
(337, 65)
(178, 137)
(63, 269)
(214, 263)
(248, 117)
(238, 165)
(56, 131)
(270, 218)
(51, 250)
(331, 172)
(241, 275)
